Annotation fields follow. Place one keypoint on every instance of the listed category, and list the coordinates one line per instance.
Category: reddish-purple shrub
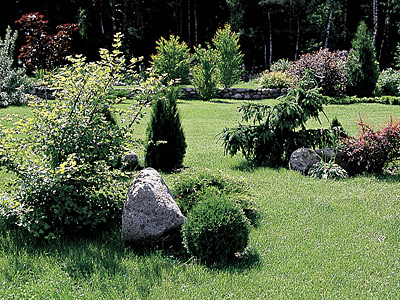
(43, 50)
(329, 68)
(373, 150)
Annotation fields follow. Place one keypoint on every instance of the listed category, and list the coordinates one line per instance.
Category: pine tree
(166, 145)
(362, 67)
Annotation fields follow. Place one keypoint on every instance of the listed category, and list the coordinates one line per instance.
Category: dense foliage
(274, 80)
(193, 185)
(65, 156)
(328, 67)
(281, 65)
(166, 145)
(388, 83)
(215, 229)
(280, 129)
(229, 57)
(172, 59)
(362, 68)
(373, 150)
(13, 81)
(43, 50)
(204, 72)
(269, 29)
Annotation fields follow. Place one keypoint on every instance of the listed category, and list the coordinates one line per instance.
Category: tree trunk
(345, 21)
(385, 31)
(328, 25)
(265, 52)
(195, 22)
(188, 23)
(101, 18)
(270, 38)
(375, 20)
(296, 53)
(125, 20)
(114, 15)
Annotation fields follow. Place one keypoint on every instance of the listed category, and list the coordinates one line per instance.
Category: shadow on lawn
(390, 178)
(249, 166)
(104, 254)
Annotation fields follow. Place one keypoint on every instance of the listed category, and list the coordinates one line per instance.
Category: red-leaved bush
(43, 50)
(329, 68)
(373, 150)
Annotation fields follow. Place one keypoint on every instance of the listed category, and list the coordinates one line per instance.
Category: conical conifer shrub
(166, 145)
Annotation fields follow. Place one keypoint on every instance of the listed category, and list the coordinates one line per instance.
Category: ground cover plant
(317, 239)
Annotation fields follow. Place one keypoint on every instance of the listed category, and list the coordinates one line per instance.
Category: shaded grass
(317, 239)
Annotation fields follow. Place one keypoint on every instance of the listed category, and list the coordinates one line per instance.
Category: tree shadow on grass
(247, 260)
(389, 178)
(250, 166)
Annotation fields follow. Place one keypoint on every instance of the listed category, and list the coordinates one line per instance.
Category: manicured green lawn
(318, 239)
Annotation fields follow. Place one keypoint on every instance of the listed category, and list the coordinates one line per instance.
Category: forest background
(269, 29)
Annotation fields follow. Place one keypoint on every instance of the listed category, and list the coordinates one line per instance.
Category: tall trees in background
(269, 29)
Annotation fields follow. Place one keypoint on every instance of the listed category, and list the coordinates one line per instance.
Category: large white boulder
(150, 215)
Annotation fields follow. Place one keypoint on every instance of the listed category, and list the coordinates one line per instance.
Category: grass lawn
(317, 239)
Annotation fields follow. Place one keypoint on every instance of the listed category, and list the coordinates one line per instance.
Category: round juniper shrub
(215, 229)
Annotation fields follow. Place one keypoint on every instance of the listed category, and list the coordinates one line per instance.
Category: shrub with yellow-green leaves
(65, 156)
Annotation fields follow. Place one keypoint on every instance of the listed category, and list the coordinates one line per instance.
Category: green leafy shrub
(327, 170)
(215, 229)
(191, 186)
(274, 80)
(328, 67)
(65, 156)
(166, 145)
(276, 131)
(373, 150)
(204, 72)
(172, 59)
(229, 57)
(14, 84)
(281, 65)
(388, 83)
(362, 69)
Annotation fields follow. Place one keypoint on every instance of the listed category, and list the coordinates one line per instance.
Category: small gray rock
(238, 96)
(131, 159)
(302, 160)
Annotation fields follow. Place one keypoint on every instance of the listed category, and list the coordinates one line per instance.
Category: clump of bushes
(274, 80)
(328, 67)
(205, 72)
(192, 186)
(65, 157)
(388, 83)
(172, 59)
(281, 65)
(215, 229)
(373, 150)
(229, 58)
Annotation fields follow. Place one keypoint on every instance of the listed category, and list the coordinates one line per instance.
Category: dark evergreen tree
(166, 145)
(362, 67)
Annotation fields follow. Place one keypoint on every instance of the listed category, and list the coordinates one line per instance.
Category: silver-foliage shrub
(13, 81)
